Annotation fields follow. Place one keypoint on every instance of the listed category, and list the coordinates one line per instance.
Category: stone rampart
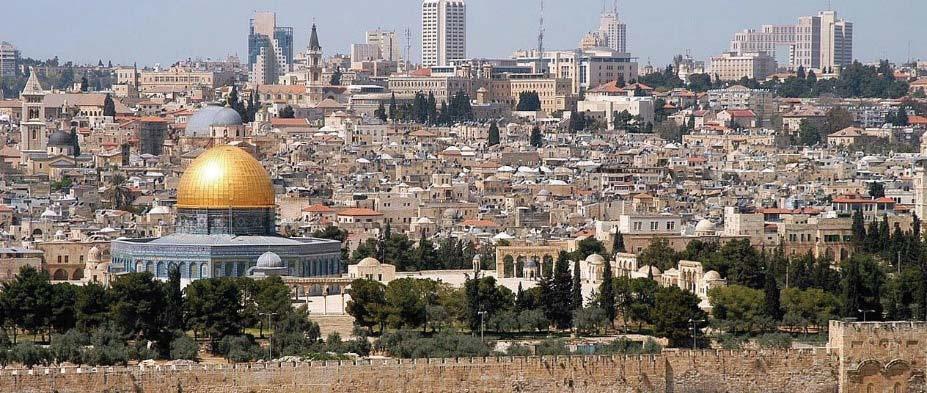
(677, 372)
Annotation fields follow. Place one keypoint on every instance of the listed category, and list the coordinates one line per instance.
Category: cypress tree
(607, 292)
(493, 134)
(773, 308)
(618, 244)
(576, 296)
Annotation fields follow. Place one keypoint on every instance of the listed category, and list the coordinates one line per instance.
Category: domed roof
(369, 262)
(269, 260)
(712, 275)
(653, 269)
(59, 138)
(595, 258)
(705, 226)
(223, 177)
(199, 124)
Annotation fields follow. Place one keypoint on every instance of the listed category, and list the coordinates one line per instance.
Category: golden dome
(225, 177)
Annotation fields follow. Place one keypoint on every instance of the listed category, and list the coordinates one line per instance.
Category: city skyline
(224, 31)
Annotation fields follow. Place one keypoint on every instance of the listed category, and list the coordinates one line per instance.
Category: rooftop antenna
(408, 56)
(541, 35)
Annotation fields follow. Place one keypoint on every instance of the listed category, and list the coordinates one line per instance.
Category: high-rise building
(732, 66)
(613, 32)
(444, 31)
(387, 42)
(270, 48)
(816, 42)
(9, 59)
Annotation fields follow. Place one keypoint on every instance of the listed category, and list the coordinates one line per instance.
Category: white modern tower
(444, 31)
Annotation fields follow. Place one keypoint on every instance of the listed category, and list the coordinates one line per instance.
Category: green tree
(75, 143)
(137, 305)
(335, 80)
(483, 295)
(558, 290)
(408, 299)
(27, 299)
(493, 134)
(380, 113)
(287, 112)
(658, 254)
(109, 107)
(295, 334)
(739, 309)
(214, 308)
(368, 303)
(876, 189)
(808, 307)
(173, 302)
(861, 285)
(69, 347)
(184, 347)
(808, 133)
(91, 306)
(607, 292)
(576, 295)
(837, 119)
(528, 101)
(772, 302)
(618, 243)
(675, 312)
(537, 138)
(587, 247)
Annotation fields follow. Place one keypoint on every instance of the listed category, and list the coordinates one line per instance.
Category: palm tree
(118, 193)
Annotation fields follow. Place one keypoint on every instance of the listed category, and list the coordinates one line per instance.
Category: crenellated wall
(859, 358)
(708, 371)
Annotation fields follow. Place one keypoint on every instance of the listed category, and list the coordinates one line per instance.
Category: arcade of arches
(525, 261)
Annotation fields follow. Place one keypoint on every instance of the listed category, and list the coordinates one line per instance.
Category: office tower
(444, 31)
(9, 59)
(270, 48)
(614, 34)
(816, 42)
(387, 42)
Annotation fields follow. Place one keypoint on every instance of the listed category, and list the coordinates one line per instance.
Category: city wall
(677, 372)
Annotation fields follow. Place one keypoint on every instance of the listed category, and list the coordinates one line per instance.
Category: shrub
(589, 320)
(239, 348)
(69, 347)
(774, 340)
(731, 341)
(552, 346)
(518, 350)
(409, 344)
(183, 347)
(109, 347)
(533, 320)
(29, 354)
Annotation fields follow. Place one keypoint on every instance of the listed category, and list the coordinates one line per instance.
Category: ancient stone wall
(677, 372)
(880, 356)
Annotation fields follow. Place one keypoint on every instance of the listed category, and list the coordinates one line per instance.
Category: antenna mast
(408, 56)
(541, 41)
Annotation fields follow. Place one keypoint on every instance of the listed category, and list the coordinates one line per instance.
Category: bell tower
(34, 130)
(315, 66)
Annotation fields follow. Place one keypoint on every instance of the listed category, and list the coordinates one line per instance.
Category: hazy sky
(164, 31)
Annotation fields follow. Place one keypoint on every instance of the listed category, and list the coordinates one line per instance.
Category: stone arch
(204, 271)
(844, 254)
(547, 265)
(520, 266)
(139, 266)
(509, 266)
(192, 270)
(60, 275)
(242, 268)
(161, 269)
(78, 274)
(37, 232)
(829, 253)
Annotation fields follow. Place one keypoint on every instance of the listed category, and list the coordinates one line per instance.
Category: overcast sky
(164, 31)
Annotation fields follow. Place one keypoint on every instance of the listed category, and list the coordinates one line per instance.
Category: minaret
(33, 128)
(315, 66)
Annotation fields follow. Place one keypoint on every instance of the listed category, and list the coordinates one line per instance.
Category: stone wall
(677, 372)
(880, 356)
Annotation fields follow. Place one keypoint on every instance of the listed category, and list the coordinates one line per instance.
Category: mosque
(225, 227)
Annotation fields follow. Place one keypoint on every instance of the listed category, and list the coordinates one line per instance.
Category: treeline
(424, 110)
(139, 317)
(855, 80)
(768, 291)
(407, 255)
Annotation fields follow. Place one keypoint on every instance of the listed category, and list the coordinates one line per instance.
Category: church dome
(269, 260)
(704, 226)
(712, 275)
(225, 177)
(59, 138)
(595, 259)
(200, 123)
(369, 262)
